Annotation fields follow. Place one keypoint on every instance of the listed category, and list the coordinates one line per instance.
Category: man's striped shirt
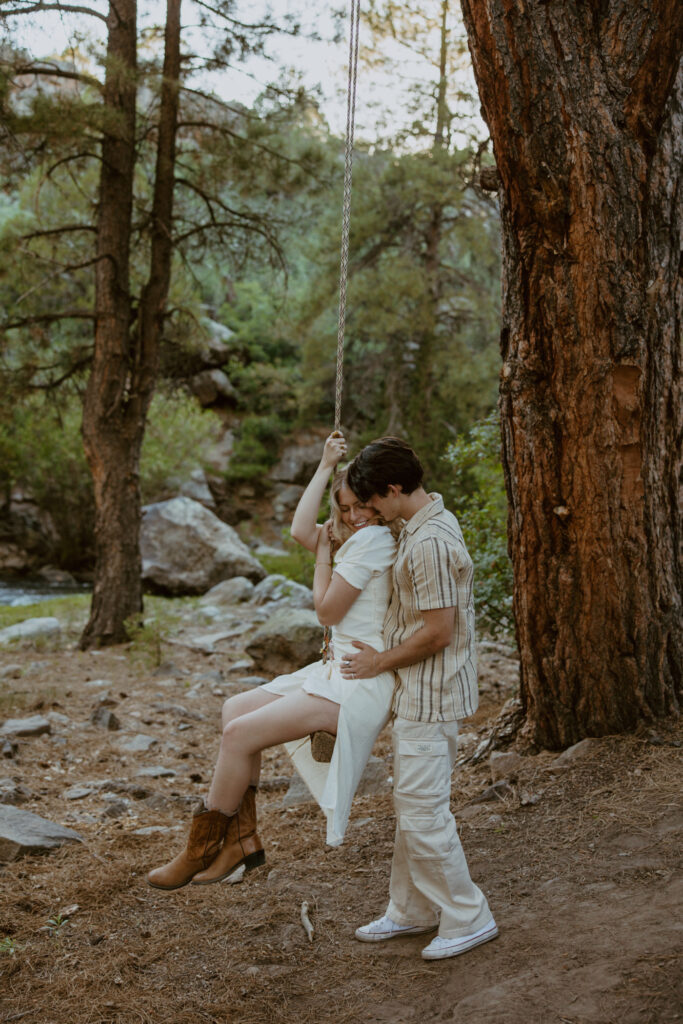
(432, 570)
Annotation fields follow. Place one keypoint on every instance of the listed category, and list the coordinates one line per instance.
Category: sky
(322, 65)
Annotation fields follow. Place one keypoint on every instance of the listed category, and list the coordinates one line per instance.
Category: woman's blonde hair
(340, 531)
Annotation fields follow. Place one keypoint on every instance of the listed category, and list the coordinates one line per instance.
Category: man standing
(429, 634)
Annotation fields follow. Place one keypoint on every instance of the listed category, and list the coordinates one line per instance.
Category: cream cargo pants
(430, 881)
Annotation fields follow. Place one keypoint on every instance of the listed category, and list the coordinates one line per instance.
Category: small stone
(576, 753)
(139, 743)
(36, 725)
(9, 749)
(251, 681)
(10, 672)
(57, 718)
(105, 700)
(505, 765)
(116, 808)
(205, 678)
(167, 668)
(240, 666)
(498, 791)
(12, 792)
(78, 792)
(528, 799)
(155, 772)
(94, 683)
(105, 718)
(152, 830)
(183, 726)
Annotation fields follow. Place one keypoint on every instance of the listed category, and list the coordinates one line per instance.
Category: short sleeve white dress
(365, 561)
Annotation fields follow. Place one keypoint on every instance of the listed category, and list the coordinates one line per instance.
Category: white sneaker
(440, 948)
(384, 928)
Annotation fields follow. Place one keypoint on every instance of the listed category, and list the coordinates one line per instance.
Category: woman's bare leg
(242, 704)
(246, 735)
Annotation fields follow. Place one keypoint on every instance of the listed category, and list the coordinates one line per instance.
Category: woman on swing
(351, 596)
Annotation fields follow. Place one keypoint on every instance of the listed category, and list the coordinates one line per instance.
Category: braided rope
(346, 206)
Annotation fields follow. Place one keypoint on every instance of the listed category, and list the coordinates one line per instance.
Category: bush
(477, 496)
(177, 431)
(256, 448)
(41, 449)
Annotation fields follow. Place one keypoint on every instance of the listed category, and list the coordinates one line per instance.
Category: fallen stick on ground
(306, 921)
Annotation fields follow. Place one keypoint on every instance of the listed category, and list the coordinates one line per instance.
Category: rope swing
(354, 26)
(322, 743)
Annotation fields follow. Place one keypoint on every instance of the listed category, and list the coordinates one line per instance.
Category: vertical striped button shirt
(433, 569)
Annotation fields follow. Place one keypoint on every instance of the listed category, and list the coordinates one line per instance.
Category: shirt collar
(432, 508)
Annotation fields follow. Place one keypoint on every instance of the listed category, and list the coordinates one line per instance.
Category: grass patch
(70, 610)
(296, 564)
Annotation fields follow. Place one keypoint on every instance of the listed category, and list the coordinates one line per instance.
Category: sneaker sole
(383, 936)
(445, 954)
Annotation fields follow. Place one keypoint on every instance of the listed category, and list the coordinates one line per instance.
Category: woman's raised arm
(305, 527)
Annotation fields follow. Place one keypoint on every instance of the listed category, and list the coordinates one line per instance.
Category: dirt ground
(579, 865)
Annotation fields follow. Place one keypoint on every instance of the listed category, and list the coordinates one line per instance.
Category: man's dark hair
(388, 460)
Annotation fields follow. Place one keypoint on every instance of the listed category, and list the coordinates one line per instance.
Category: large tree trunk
(107, 435)
(584, 107)
(126, 359)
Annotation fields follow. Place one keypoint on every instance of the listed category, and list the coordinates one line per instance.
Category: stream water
(15, 592)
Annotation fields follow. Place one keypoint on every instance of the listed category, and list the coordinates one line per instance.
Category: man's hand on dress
(363, 664)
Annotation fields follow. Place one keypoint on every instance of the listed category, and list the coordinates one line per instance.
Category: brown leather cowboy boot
(242, 845)
(206, 835)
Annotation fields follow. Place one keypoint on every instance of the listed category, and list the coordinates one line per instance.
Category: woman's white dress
(365, 561)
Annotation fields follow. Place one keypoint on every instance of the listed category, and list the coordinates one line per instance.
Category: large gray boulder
(212, 387)
(278, 588)
(229, 592)
(297, 463)
(288, 640)
(186, 549)
(30, 629)
(23, 832)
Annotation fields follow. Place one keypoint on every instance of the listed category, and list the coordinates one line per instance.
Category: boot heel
(254, 860)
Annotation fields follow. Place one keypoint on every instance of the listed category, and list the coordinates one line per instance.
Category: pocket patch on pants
(422, 768)
(428, 836)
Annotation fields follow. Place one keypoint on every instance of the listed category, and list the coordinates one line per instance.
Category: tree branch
(80, 364)
(54, 71)
(59, 231)
(66, 8)
(47, 318)
(63, 268)
(250, 142)
(269, 26)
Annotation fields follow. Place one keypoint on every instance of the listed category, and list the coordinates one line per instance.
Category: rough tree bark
(583, 99)
(125, 359)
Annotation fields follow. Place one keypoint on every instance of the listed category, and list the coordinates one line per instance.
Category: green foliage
(256, 448)
(477, 496)
(55, 925)
(177, 431)
(8, 945)
(41, 450)
(69, 610)
(163, 616)
(297, 564)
